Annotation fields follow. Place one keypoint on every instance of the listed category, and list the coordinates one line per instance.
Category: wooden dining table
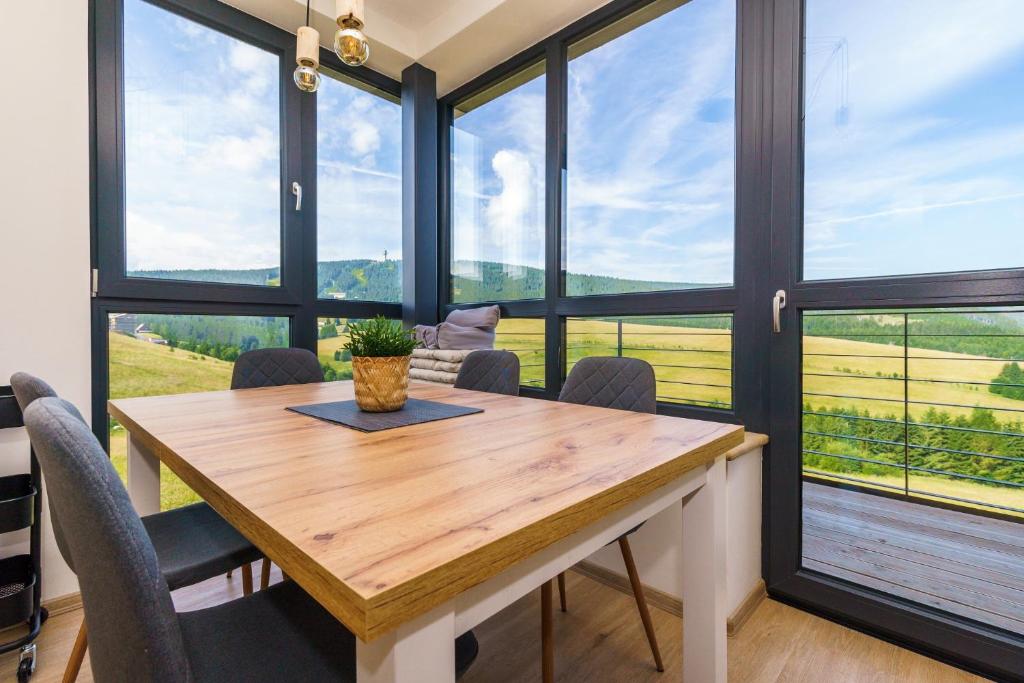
(414, 535)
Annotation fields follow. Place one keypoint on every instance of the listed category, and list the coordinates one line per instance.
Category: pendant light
(307, 56)
(349, 42)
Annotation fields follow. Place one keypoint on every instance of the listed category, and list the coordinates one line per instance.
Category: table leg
(143, 478)
(703, 564)
(420, 651)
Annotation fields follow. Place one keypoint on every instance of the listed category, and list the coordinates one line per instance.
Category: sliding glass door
(897, 474)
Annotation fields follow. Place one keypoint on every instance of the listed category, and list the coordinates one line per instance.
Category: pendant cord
(307, 12)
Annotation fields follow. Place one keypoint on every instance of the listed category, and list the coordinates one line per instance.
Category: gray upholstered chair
(275, 368)
(625, 384)
(280, 634)
(496, 372)
(192, 543)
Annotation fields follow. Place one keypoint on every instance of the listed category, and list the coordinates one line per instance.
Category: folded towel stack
(436, 365)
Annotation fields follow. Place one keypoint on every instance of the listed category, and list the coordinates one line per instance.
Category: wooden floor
(966, 564)
(601, 639)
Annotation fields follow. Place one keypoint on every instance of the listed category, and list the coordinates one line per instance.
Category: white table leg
(703, 563)
(143, 478)
(420, 651)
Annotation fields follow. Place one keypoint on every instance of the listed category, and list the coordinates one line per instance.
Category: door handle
(778, 303)
(297, 191)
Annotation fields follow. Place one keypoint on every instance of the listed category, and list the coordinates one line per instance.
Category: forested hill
(377, 280)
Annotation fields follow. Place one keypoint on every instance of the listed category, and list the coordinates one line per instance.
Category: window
(914, 155)
(651, 127)
(202, 154)
(525, 338)
(359, 192)
(155, 355)
(691, 354)
(497, 213)
(927, 403)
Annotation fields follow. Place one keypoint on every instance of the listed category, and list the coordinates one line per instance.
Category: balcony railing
(907, 415)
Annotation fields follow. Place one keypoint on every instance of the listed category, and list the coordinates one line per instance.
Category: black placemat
(414, 412)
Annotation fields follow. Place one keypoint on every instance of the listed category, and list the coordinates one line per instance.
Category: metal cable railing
(971, 448)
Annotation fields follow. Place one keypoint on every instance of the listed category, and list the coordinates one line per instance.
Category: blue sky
(914, 149)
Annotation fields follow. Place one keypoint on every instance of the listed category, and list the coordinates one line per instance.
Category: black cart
(20, 585)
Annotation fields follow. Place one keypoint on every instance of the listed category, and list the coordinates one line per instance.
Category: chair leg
(247, 579)
(641, 601)
(77, 656)
(265, 574)
(561, 591)
(547, 640)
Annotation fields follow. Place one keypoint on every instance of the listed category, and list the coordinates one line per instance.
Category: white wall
(656, 546)
(44, 224)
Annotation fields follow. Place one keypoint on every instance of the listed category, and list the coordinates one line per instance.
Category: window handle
(297, 191)
(778, 303)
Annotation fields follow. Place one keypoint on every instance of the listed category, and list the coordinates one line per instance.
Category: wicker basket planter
(381, 383)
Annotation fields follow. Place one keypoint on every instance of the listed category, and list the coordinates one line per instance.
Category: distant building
(125, 323)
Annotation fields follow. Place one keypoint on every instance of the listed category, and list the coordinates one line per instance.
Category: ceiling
(458, 39)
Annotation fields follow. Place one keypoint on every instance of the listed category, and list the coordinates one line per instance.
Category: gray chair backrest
(612, 382)
(275, 368)
(27, 388)
(496, 372)
(134, 633)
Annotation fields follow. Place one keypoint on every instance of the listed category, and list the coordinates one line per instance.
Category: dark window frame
(556, 306)
(970, 645)
(296, 298)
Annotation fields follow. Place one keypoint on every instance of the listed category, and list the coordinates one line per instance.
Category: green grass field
(687, 361)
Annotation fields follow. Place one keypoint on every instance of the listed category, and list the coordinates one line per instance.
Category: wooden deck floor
(965, 564)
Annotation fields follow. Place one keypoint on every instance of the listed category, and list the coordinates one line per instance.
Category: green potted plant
(380, 351)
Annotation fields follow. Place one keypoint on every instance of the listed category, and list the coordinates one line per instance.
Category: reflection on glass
(202, 159)
(157, 355)
(914, 152)
(359, 192)
(497, 166)
(650, 152)
(691, 354)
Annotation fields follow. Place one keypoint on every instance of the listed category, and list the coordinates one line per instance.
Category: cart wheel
(27, 663)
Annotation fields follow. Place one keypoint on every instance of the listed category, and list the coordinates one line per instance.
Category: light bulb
(307, 78)
(351, 46)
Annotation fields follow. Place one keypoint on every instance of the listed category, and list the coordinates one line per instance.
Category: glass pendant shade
(351, 46)
(307, 79)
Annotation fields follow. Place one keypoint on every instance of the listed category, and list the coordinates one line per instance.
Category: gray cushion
(276, 367)
(484, 316)
(279, 634)
(496, 372)
(194, 543)
(612, 382)
(133, 630)
(459, 338)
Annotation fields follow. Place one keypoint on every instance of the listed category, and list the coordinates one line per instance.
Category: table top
(381, 527)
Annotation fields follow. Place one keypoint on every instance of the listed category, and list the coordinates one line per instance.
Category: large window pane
(914, 152)
(928, 404)
(156, 355)
(359, 192)
(497, 166)
(202, 160)
(650, 152)
(691, 354)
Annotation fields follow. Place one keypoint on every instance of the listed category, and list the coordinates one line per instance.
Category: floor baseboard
(668, 602)
(63, 604)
